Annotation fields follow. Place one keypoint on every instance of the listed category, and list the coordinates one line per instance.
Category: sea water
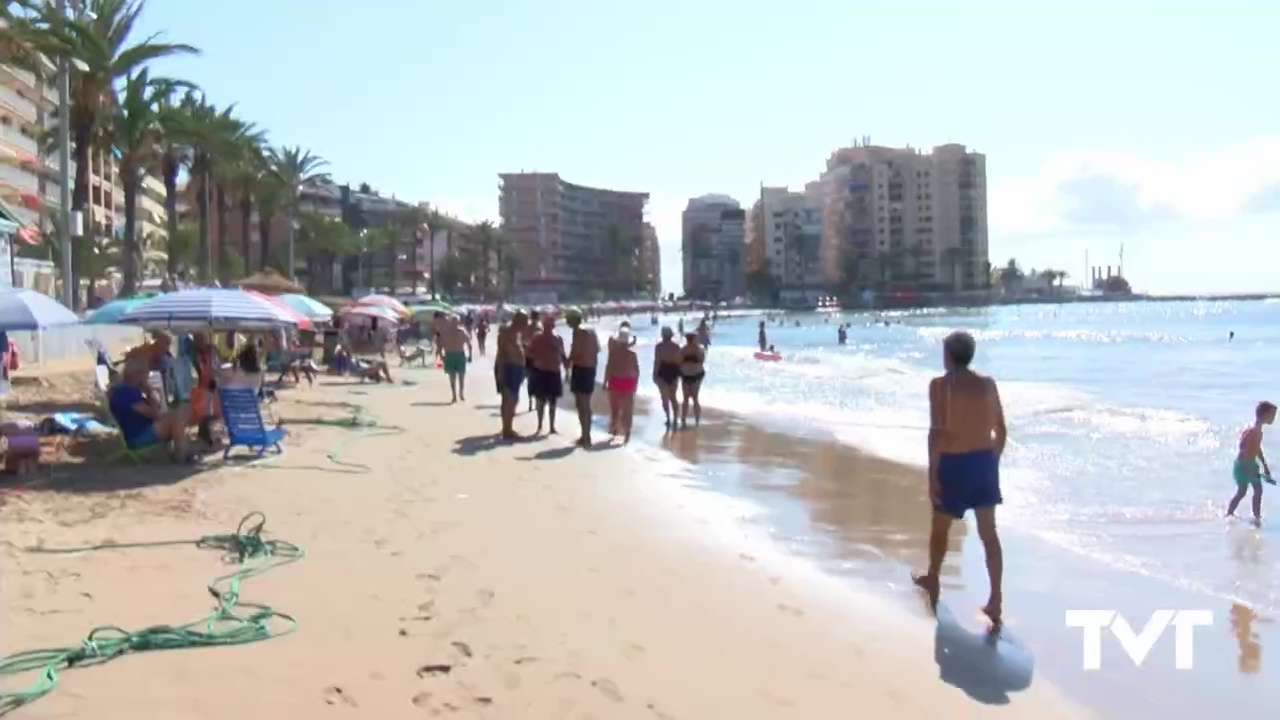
(1124, 420)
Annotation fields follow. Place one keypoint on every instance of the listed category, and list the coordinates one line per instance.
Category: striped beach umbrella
(385, 301)
(374, 312)
(205, 309)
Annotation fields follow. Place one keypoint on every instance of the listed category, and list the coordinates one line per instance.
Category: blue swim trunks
(969, 481)
(512, 378)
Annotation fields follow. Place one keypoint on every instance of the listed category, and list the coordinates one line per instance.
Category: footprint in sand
(633, 651)
(335, 696)
(463, 649)
(422, 699)
(607, 688)
(484, 596)
(796, 612)
(434, 669)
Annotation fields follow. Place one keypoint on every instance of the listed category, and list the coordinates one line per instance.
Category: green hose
(233, 621)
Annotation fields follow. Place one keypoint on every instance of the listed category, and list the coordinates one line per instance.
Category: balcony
(24, 181)
(22, 109)
(11, 138)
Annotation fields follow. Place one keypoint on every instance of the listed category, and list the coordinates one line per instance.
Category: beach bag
(20, 445)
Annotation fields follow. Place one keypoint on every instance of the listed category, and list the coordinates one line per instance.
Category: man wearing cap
(583, 354)
(508, 370)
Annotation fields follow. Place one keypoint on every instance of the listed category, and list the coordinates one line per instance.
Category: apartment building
(650, 262)
(900, 216)
(784, 240)
(29, 177)
(571, 241)
(712, 241)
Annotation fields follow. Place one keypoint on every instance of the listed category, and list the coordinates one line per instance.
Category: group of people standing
(530, 352)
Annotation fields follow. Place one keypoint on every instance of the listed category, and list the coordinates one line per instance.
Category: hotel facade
(572, 241)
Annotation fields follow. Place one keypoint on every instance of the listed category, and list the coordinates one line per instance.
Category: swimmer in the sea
(1250, 468)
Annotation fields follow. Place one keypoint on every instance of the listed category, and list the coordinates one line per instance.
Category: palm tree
(136, 133)
(485, 237)
(238, 143)
(99, 43)
(244, 172)
(323, 240)
(204, 125)
(270, 194)
(435, 221)
(177, 133)
(295, 169)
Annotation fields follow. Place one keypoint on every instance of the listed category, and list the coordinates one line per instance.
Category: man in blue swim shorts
(967, 436)
(508, 370)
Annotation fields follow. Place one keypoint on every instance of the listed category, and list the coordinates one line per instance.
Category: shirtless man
(546, 363)
(526, 337)
(508, 370)
(582, 371)
(455, 343)
(966, 439)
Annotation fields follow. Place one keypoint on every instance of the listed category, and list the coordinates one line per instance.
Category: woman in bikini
(692, 372)
(621, 379)
(666, 373)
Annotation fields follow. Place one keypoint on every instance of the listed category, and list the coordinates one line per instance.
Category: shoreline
(556, 583)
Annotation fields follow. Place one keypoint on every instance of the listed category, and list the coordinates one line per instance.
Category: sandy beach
(449, 576)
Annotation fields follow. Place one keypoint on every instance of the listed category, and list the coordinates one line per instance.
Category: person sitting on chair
(138, 414)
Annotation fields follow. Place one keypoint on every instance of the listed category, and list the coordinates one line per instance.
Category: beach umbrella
(30, 310)
(431, 307)
(269, 282)
(302, 321)
(308, 306)
(375, 312)
(111, 313)
(385, 301)
(208, 308)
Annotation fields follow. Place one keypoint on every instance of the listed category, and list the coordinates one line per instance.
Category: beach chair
(101, 383)
(242, 416)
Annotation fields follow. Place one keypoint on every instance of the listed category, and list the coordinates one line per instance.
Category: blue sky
(1152, 124)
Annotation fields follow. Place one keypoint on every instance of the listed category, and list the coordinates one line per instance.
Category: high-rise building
(712, 245)
(571, 241)
(650, 263)
(784, 238)
(904, 217)
(29, 177)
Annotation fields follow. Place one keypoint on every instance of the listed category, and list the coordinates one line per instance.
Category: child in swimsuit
(621, 379)
(1246, 470)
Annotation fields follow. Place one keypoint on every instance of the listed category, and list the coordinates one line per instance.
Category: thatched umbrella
(269, 282)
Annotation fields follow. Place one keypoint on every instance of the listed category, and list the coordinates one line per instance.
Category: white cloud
(1124, 191)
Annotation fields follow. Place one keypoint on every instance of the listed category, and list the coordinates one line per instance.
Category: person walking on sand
(546, 382)
(693, 358)
(614, 340)
(621, 380)
(967, 436)
(583, 355)
(526, 337)
(482, 333)
(508, 370)
(667, 358)
(455, 344)
(1246, 470)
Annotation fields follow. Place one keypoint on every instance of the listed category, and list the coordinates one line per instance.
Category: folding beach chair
(242, 417)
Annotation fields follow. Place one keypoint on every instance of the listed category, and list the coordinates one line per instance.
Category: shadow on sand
(986, 665)
(477, 444)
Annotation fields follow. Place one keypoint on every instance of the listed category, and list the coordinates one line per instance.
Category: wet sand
(865, 519)
(449, 575)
